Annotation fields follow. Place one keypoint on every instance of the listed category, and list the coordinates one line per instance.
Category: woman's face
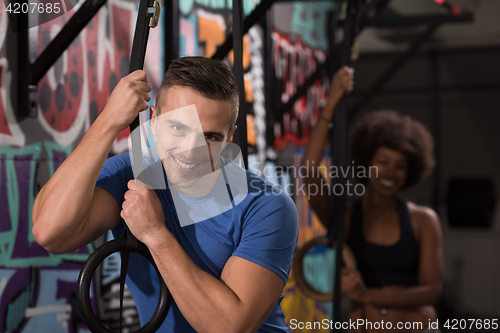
(391, 171)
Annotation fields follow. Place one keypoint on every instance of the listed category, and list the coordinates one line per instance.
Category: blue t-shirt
(258, 223)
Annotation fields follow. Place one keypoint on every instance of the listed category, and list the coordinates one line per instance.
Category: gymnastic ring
(85, 278)
(298, 271)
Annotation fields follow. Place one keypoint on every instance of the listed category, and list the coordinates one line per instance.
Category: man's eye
(177, 128)
(209, 137)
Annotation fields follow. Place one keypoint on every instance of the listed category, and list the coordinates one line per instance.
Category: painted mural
(37, 289)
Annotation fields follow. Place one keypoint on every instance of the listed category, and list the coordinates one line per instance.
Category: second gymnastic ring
(298, 271)
(85, 278)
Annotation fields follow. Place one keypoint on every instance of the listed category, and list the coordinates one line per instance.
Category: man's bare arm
(68, 211)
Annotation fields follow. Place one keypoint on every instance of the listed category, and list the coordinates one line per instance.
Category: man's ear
(229, 137)
(152, 119)
(230, 133)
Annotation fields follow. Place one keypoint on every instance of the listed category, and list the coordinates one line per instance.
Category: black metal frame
(29, 74)
(171, 29)
(366, 17)
(369, 18)
(338, 148)
(393, 69)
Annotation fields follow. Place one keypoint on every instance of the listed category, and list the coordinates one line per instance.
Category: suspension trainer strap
(145, 20)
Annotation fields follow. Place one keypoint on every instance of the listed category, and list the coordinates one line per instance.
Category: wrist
(109, 119)
(325, 120)
(158, 239)
(107, 125)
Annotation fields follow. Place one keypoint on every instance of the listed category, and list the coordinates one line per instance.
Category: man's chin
(180, 180)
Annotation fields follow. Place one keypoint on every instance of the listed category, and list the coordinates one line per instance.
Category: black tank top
(382, 265)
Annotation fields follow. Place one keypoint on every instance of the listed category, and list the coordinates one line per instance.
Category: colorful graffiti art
(37, 288)
(10, 133)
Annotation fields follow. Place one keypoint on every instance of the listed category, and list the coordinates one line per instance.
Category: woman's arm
(342, 82)
(430, 271)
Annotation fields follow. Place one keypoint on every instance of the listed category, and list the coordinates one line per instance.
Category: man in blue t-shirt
(221, 237)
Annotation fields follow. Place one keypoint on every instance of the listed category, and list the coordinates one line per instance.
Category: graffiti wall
(37, 289)
(299, 44)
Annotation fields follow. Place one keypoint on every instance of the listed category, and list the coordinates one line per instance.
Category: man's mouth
(184, 165)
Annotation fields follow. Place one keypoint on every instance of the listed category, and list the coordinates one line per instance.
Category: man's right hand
(130, 96)
(69, 211)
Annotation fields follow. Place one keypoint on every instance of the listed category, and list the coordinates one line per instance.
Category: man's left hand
(142, 211)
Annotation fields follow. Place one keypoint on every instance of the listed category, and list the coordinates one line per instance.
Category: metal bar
(333, 67)
(436, 128)
(488, 87)
(339, 156)
(330, 231)
(414, 20)
(253, 18)
(241, 138)
(394, 68)
(19, 62)
(171, 32)
(63, 39)
(370, 12)
(269, 77)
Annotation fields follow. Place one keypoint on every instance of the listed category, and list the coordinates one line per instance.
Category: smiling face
(392, 166)
(191, 131)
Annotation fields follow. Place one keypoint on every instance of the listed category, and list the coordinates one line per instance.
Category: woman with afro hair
(397, 244)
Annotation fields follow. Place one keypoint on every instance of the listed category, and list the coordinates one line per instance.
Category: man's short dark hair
(212, 79)
(391, 130)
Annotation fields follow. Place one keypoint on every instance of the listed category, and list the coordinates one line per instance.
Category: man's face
(191, 131)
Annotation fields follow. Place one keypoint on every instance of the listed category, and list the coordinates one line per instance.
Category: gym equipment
(128, 243)
(348, 260)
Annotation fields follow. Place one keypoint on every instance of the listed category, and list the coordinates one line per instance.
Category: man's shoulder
(267, 193)
(122, 159)
(123, 163)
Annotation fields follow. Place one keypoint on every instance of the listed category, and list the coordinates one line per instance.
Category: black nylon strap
(136, 62)
(123, 274)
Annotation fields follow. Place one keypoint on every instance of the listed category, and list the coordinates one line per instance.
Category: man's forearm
(63, 203)
(207, 303)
